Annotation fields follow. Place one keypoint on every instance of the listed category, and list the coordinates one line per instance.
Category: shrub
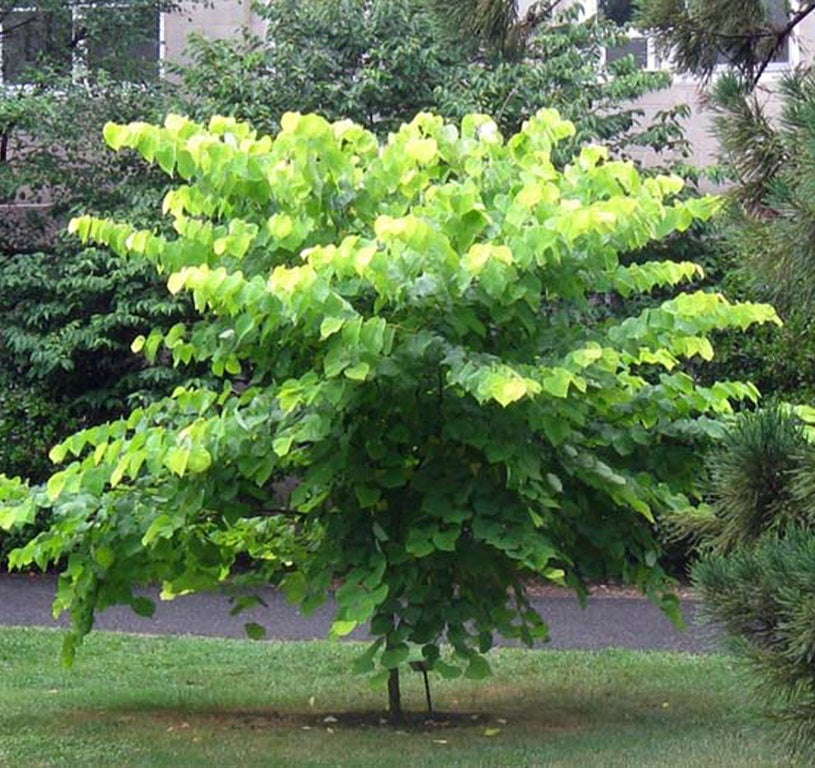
(409, 329)
(68, 314)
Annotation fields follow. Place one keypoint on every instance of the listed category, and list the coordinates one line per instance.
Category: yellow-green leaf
(176, 282)
(421, 150)
(177, 460)
(358, 372)
(341, 628)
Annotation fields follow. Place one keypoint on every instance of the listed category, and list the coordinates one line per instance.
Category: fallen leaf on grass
(492, 731)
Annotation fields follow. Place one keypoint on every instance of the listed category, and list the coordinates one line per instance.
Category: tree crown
(407, 329)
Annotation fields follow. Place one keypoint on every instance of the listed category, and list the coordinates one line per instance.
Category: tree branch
(785, 33)
(276, 512)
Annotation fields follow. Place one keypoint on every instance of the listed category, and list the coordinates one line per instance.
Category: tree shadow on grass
(500, 712)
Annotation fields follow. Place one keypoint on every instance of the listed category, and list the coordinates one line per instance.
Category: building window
(778, 14)
(81, 40)
(28, 36)
(779, 18)
(645, 52)
(642, 48)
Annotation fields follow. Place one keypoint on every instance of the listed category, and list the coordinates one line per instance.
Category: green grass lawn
(149, 701)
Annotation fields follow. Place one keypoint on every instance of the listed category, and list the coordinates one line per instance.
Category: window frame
(79, 54)
(654, 62)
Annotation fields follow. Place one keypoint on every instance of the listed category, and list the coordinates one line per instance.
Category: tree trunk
(395, 713)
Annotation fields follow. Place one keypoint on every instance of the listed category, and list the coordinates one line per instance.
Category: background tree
(379, 63)
(763, 249)
(409, 329)
(68, 313)
(54, 52)
(493, 24)
(756, 536)
(766, 244)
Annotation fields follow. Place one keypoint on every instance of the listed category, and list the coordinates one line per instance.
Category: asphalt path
(607, 622)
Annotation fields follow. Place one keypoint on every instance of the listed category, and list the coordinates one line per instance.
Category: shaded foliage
(777, 359)
(379, 63)
(763, 248)
(67, 313)
(69, 317)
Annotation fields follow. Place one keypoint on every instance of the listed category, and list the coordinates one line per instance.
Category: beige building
(25, 32)
(224, 18)
(686, 89)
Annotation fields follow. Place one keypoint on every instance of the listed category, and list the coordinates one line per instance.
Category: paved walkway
(607, 622)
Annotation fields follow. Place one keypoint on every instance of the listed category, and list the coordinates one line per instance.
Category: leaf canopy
(417, 397)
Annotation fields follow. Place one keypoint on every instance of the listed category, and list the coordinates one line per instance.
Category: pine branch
(796, 19)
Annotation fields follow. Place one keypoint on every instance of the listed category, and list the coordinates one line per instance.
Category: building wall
(688, 90)
(220, 19)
